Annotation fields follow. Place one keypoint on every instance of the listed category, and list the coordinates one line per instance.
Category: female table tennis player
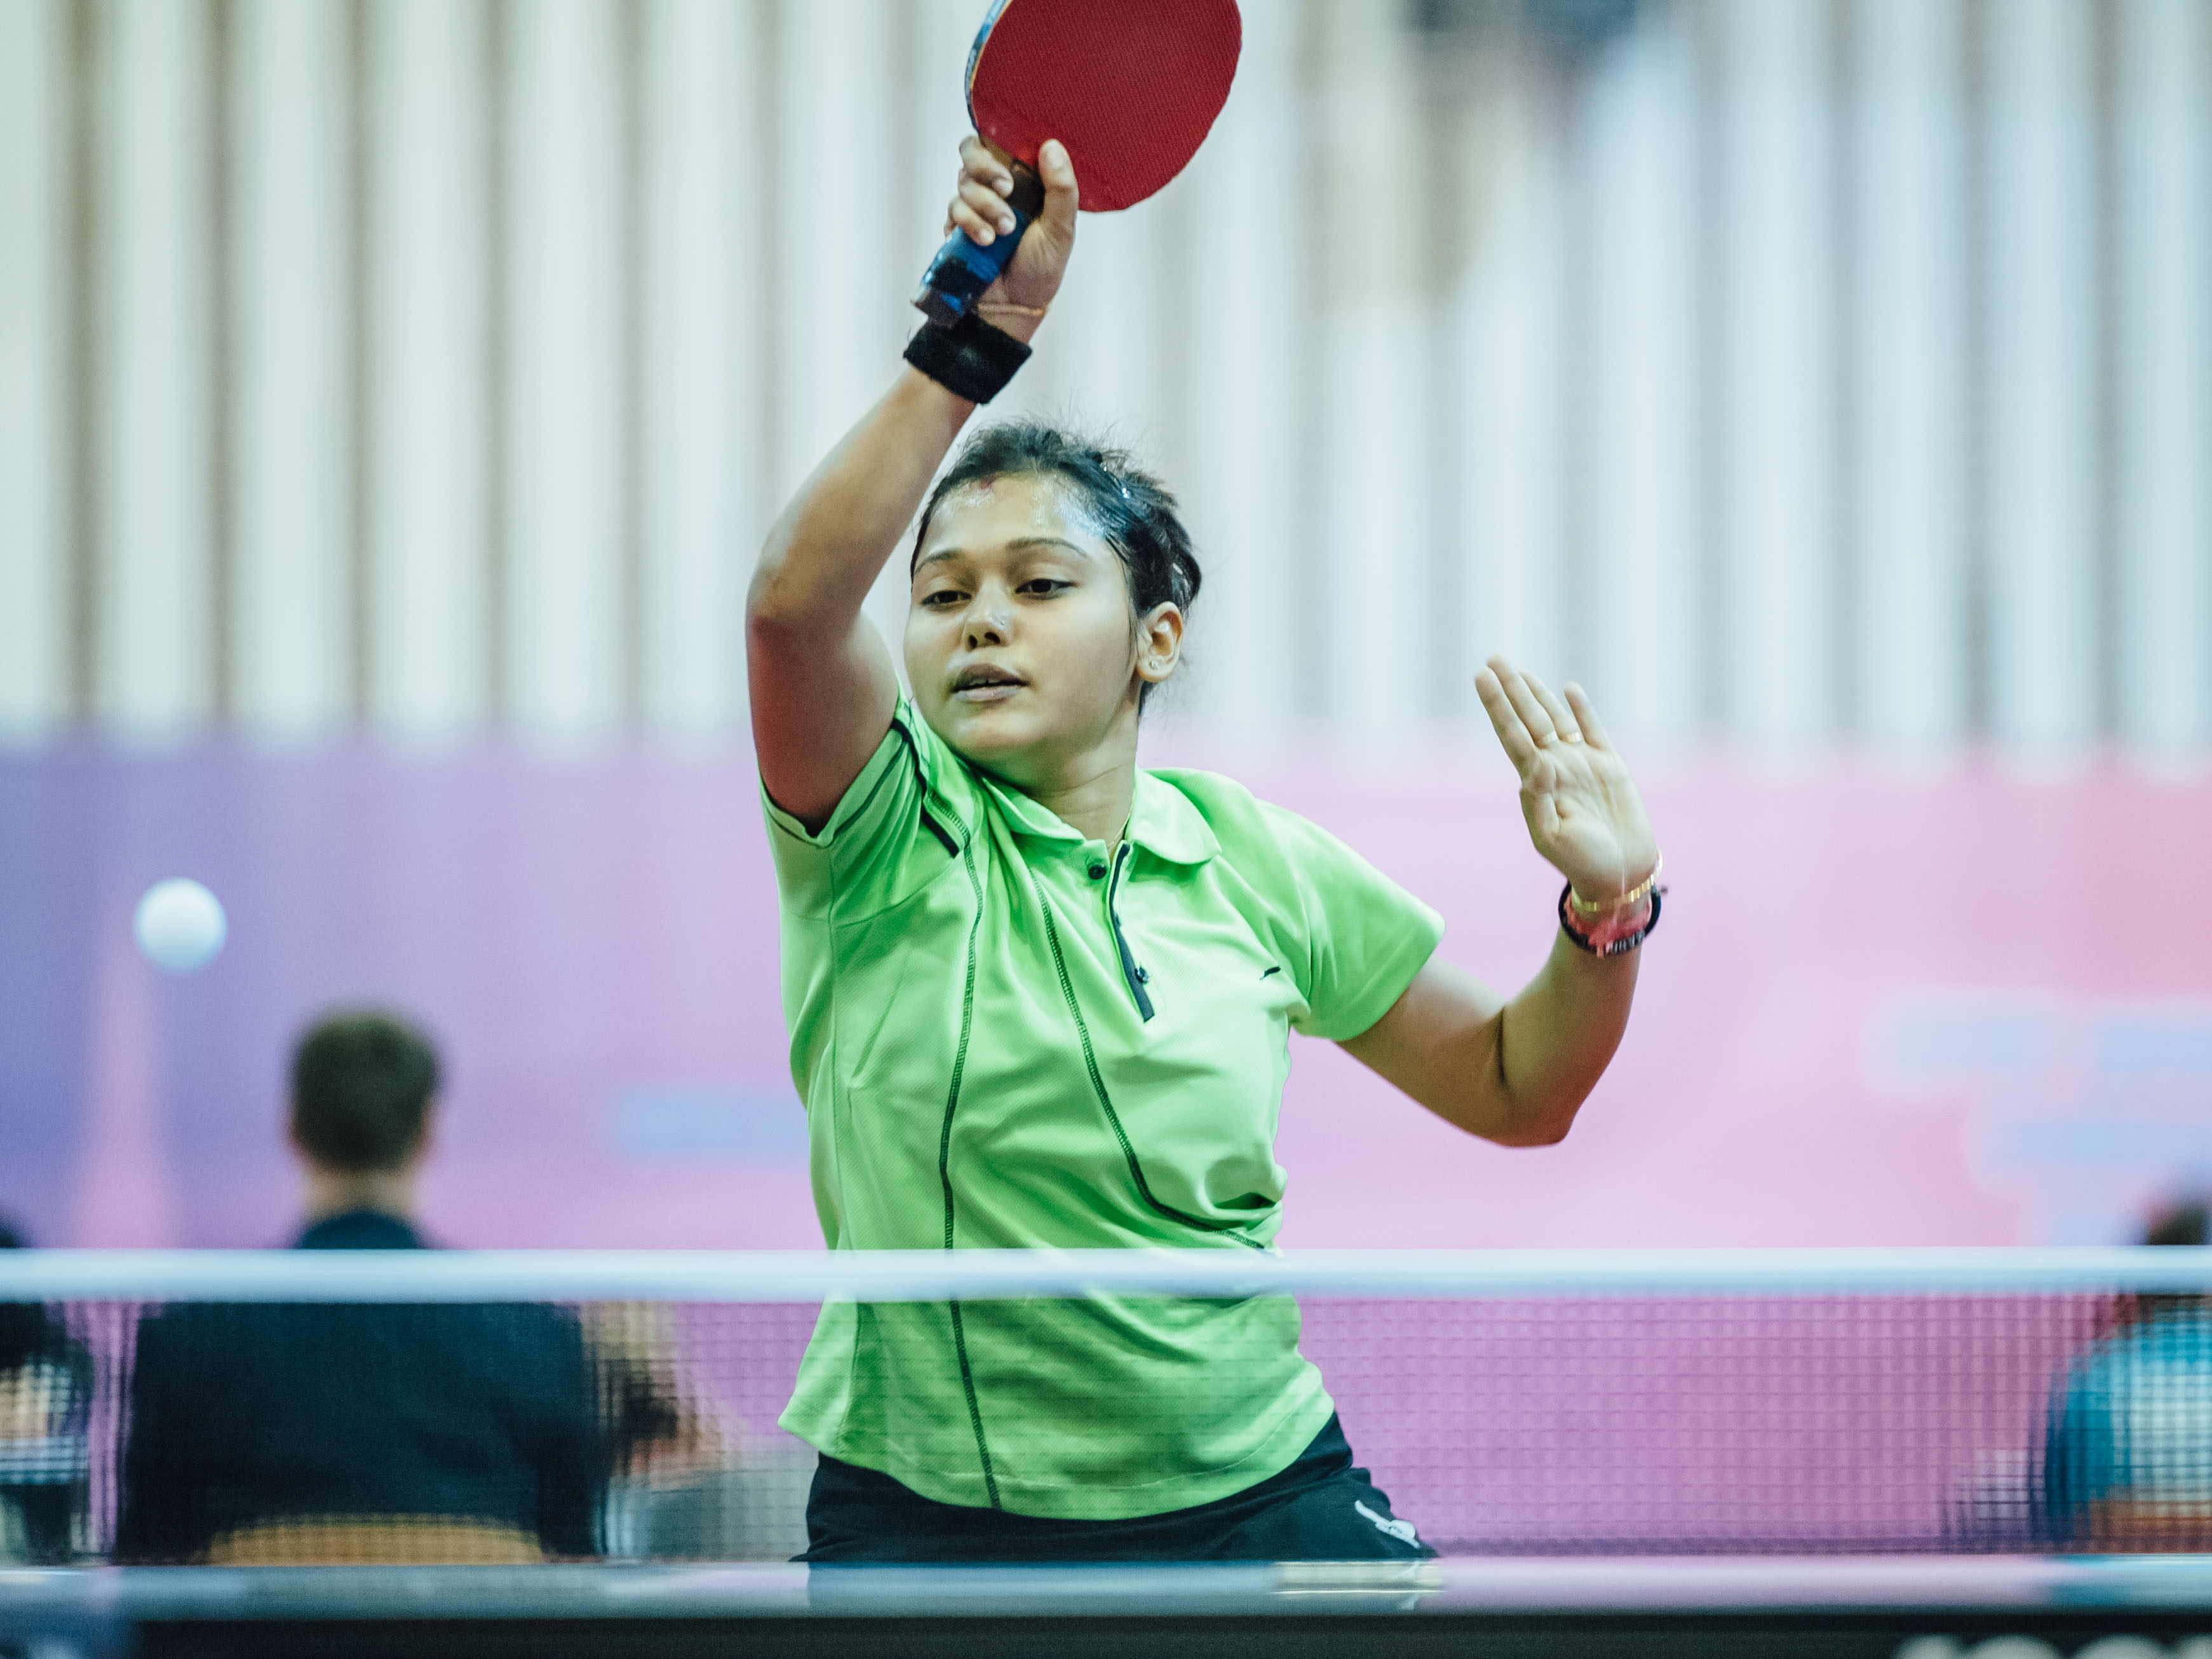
(1039, 996)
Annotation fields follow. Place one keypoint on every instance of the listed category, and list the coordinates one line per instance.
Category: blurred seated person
(46, 1392)
(2128, 1456)
(313, 1433)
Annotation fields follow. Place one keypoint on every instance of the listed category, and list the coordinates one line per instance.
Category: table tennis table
(1878, 1608)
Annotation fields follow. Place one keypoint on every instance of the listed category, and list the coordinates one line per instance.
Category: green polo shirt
(1007, 1036)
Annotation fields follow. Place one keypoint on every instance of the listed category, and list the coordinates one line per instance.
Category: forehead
(979, 517)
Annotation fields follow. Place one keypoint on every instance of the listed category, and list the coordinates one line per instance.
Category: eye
(1043, 587)
(942, 597)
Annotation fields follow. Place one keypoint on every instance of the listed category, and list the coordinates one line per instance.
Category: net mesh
(1572, 1421)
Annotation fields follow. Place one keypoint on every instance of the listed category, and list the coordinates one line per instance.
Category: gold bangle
(1582, 907)
(1008, 305)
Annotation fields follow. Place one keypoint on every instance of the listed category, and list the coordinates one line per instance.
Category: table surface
(1714, 1607)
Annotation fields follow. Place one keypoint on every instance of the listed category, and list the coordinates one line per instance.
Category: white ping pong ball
(180, 926)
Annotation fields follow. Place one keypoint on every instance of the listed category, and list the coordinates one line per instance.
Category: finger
(961, 217)
(1525, 702)
(979, 161)
(988, 205)
(1520, 747)
(1586, 717)
(1060, 194)
(1561, 720)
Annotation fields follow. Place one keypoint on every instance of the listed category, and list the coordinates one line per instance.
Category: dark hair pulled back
(1133, 511)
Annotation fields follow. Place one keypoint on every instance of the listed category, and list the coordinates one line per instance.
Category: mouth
(984, 683)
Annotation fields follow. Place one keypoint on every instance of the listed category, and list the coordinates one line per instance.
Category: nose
(988, 623)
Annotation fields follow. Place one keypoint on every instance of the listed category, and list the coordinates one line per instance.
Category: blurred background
(393, 394)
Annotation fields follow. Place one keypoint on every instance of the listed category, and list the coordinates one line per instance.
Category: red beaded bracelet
(1620, 946)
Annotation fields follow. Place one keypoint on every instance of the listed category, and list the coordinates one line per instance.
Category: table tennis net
(499, 1419)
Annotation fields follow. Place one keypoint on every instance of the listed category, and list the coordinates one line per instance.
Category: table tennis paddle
(1130, 87)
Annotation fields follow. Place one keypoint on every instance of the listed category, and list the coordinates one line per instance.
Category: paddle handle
(961, 271)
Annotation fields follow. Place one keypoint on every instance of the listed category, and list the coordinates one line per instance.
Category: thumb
(1542, 813)
(1061, 194)
(1541, 783)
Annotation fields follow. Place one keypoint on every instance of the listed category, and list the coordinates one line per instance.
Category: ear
(427, 1142)
(1159, 642)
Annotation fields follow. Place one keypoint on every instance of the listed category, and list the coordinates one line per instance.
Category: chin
(987, 732)
(1015, 751)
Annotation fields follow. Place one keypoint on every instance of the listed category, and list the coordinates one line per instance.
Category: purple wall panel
(595, 942)
(569, 931)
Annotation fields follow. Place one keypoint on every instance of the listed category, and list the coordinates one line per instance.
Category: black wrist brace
(970, 359)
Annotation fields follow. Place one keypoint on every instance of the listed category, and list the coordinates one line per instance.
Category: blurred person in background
(2128, 1454)
(343, 1432)
(364, 1112)
(363, 1118)
(46, 1393)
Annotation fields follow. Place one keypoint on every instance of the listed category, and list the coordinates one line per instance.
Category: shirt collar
(360, 1230)
(1163, 821)
(1166, 824)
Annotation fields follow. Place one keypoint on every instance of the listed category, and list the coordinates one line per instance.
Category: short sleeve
(898, 826)
(1366, 936)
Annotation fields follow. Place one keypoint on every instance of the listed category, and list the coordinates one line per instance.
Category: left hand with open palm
(1582, 809)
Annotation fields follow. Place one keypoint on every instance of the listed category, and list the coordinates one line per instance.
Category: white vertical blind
(34, 616)
(1768, 366)
(1508, 319)
(2043, 403)
(2166, 339)
(1908, 126)
(1106, 369)
(839, 323)
(289, 471)
(705, 488)
(155, 636)
(1643, 142)
(429, 484)
(1373, 669)
(839, 308)
(1245, 256)
(1779, 622)
(564, 485)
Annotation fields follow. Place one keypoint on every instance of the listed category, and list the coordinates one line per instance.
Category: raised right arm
(819, 676)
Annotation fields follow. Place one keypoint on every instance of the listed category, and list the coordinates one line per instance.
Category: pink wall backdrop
(1962, 1007)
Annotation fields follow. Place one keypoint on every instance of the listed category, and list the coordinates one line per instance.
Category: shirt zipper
(1133, 976)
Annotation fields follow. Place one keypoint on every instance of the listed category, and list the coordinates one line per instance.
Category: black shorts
(1322, 1508)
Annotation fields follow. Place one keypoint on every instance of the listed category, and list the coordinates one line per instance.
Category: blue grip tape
(957, 277)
